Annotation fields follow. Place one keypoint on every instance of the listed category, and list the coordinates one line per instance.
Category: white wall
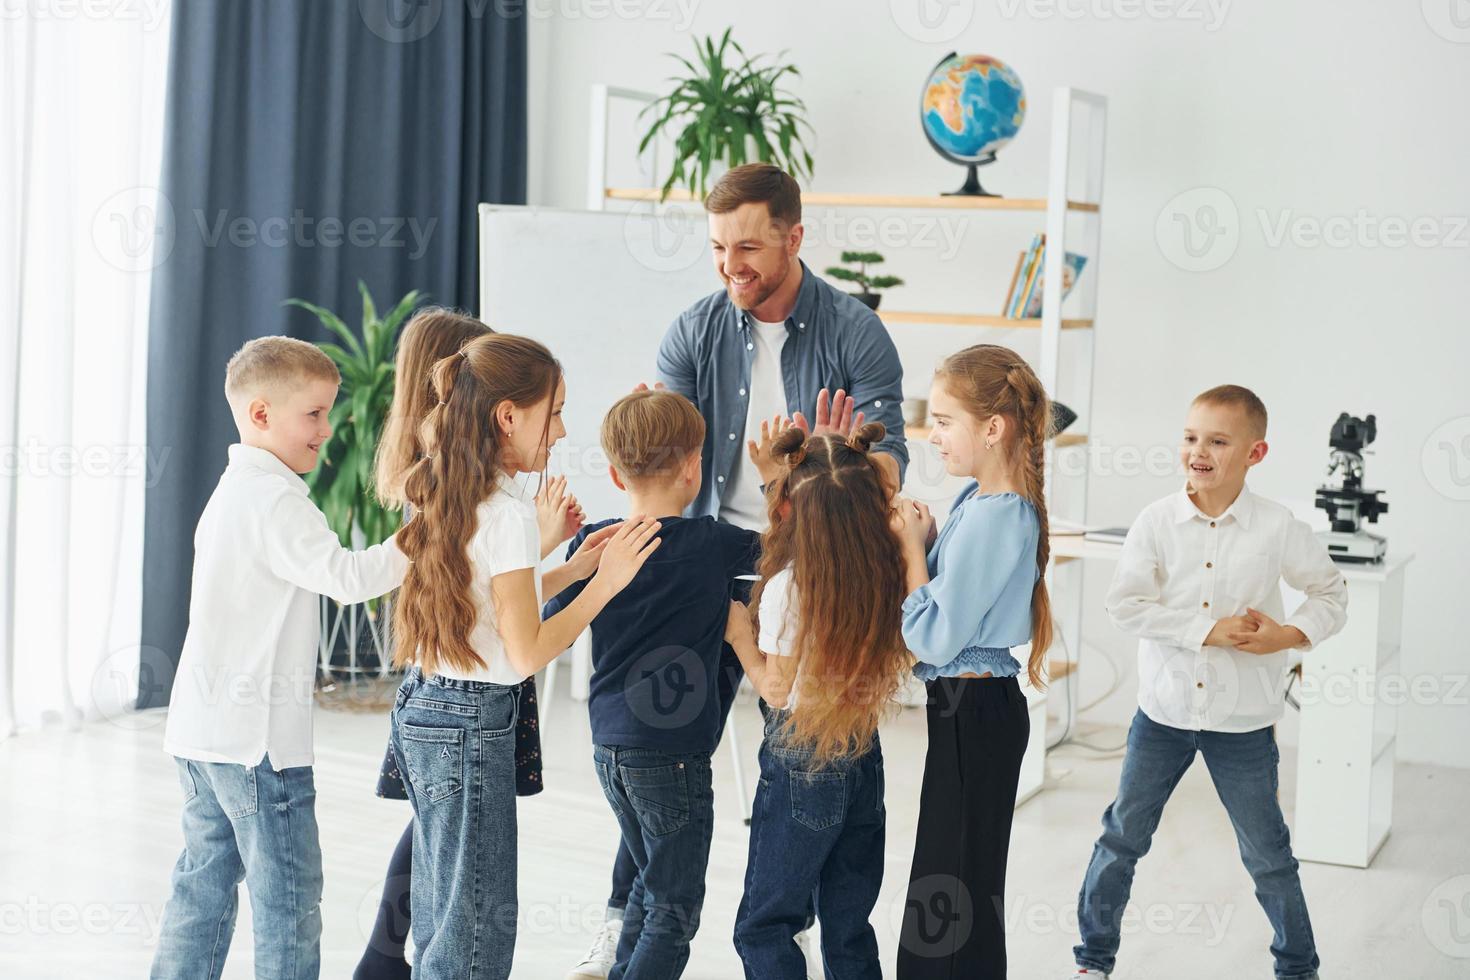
(1297, 112)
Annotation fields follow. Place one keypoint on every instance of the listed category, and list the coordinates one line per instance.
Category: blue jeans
(816, 832)
(665, 807)
(455, 743)
(253, 824)
(1243, 767)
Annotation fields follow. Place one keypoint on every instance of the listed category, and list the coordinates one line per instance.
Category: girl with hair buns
(828, 659)
(977, 593)
(467, 624)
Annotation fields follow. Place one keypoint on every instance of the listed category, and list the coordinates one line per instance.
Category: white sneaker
(1082, 974)
(604, 952)
(811, 951)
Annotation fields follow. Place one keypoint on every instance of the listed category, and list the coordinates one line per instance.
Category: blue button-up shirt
(832, 341)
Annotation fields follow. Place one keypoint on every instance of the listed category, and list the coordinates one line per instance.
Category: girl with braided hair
(973, 596)
(468, 626)
(827, 660)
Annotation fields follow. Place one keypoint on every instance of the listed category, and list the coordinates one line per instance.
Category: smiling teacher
(774, 341)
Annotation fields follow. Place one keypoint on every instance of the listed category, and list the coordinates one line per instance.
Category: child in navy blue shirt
(656, 658)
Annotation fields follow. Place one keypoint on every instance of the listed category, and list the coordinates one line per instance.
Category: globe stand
(972, 186)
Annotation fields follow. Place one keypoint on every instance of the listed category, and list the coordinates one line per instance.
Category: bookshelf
(1072, 210)
(912, 201)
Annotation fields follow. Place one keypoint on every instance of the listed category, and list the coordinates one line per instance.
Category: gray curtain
(307, 145)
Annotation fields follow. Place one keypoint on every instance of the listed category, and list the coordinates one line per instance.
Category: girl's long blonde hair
(431, 335)
(464, 459)
(987, 380)
(848, 572)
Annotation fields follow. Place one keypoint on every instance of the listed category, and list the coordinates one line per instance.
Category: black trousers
(954, 916)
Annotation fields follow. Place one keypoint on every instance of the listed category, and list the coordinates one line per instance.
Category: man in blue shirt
(775, 341)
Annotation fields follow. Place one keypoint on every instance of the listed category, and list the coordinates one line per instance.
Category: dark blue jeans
(816, 831)
(455, 742)
(1243, 768)
(665, 807)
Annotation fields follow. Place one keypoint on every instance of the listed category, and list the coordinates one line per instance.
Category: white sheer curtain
(81, 121)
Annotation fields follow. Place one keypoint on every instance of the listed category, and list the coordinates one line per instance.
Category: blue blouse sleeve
(980, 555)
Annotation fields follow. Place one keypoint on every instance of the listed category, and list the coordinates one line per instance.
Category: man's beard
(761, 296)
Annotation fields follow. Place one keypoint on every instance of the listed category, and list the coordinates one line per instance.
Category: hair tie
(464, 352)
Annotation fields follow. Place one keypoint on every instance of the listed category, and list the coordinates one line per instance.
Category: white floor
(89, 831)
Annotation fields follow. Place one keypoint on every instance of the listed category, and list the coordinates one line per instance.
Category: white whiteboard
(599, 288)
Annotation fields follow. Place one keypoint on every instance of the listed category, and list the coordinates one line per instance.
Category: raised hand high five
(834, 418)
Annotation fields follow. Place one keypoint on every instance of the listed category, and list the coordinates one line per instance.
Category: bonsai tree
(870, 286)
(342, 483)
(729, 112)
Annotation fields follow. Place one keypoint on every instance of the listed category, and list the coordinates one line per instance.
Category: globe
(972, 106)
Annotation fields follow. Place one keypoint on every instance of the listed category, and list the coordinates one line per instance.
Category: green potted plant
(871, 286)
(729, 113)
(342, 483)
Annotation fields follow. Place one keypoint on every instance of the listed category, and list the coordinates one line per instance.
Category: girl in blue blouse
(975, 592)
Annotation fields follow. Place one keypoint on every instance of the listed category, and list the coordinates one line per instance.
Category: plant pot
(870, 300)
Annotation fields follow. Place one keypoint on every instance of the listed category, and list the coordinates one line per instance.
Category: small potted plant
(728, 114)
(870, 285)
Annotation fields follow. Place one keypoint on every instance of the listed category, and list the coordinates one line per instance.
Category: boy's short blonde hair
(1241, 399)
(271, 364)
(651, 433)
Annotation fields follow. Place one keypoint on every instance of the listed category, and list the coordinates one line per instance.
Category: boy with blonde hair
(657, 701)
(1198, 583)
(239, 723)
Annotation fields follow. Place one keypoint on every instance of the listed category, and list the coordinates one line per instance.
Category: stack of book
(1023, 300)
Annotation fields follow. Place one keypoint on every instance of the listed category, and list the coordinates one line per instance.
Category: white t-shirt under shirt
(742, 502)
(507, 539)
(778, 611)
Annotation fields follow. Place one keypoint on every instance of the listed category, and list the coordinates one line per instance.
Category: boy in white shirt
(239, 721)
(1197, 582)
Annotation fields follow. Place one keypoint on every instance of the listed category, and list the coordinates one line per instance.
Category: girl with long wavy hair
(973, 596)
(467, 624)
(828, 659)
(434, 333)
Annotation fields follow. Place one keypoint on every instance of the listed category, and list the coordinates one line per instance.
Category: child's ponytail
(1034, 424)
(992, 380)
(463, 459)
(431, 334)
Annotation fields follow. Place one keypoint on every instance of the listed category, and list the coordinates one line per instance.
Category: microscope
(1343, 497)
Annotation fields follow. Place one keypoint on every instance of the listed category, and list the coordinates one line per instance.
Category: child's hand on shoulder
(1266, 635)
(760, 449)
(558, 515)
(584, 560)
(737, 624)
(624, 553)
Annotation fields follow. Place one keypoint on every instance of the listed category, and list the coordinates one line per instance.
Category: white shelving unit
(1073, 207)
(1345, 760)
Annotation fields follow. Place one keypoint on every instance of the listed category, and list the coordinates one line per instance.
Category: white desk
(1344, 787)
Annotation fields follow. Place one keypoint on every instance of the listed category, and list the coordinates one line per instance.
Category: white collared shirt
(1181, 570)
(262, 554)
